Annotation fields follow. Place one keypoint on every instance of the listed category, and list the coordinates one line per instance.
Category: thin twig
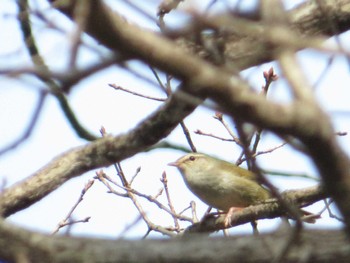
(330, 213)
(188, 136)
(66, 220)
(256, 154)
(132, 193)
(102, 177)
(138, 206)
(39, 62)
(182, 123)
(134, 176)
(199, 132)
(164, 180)
(158, 79)
(152, 199)
(135, 93)
(269, 77)
(219, 116)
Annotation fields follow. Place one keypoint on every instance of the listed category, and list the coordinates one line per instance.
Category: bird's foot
(230, 212)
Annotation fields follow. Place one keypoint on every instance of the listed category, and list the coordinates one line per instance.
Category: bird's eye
(192, 158)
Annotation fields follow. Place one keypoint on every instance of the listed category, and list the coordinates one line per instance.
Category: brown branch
(109, 29)
(66, 221)
(219, 116)
(317, 245)
(152, 199)
(38, 61)
(199, 132)
(100, 153)
(116, 87)
(270, 210)
(164, 180)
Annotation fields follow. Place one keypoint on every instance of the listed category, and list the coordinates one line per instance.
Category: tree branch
(273, 209)
(100, 153)
(314, 246)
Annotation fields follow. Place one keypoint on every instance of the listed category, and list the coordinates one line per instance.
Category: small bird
(221, 184)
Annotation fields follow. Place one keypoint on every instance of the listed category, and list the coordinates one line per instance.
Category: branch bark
(313, 246)
(100, 153)
(299, 198)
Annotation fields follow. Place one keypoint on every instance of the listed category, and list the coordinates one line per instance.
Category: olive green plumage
(218, 183)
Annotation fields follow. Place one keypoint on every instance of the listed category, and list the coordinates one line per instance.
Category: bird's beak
(173, 164)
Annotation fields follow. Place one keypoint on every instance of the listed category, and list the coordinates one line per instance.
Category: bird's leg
(227, 221)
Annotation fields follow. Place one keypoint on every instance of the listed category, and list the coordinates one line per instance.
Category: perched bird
(221, 184)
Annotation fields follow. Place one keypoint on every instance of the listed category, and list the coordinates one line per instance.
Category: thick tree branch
(100, 153)
(240, 49)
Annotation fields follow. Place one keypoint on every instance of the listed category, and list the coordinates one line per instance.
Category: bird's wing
(238, 171)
